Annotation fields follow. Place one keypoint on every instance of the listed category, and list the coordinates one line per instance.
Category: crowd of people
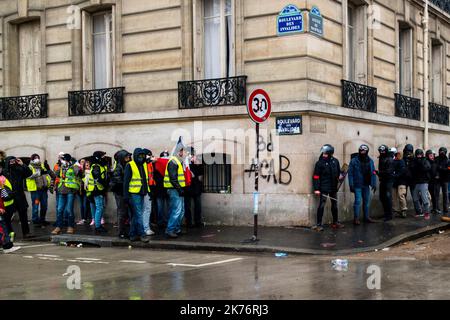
(425, 174)
(144, 186)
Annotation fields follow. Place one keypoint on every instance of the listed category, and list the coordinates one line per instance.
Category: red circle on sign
(259, 106)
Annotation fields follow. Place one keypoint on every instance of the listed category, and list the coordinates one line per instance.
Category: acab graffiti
(267, 169)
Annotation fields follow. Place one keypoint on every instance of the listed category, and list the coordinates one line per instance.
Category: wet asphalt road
(40, 271)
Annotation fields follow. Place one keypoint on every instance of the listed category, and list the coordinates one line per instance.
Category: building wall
(302, 73)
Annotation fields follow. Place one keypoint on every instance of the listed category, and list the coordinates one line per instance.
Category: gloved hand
(374, 189)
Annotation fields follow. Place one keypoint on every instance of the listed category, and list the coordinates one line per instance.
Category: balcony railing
(24, 107)
(89, 102)
(438, 114)
(358, 96)
(213, 92)
(407, 107)
(442, 4)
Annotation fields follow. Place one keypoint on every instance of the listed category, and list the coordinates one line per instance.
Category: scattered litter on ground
(441, 231)
(360, 241)
(328, 245)
(80, 245)
(281, 254)
(130, 247)
(340, 264)
(386, 249)
(63, 243)
(209, 236)
(376, 250)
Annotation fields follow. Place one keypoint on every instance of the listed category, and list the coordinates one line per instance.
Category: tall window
(436, 72)
(405, 61)
(29, 58)
(356, 43)
(217, 175)
(218, 38)
(98, 49)
(102, 49)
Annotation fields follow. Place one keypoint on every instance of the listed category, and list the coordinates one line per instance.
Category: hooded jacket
(129, 173)
(386, 168)
(118, 173)
(326, 175)
(172, 169)
(443, 168)
(16, 175)
(420, 169)
(356, 177)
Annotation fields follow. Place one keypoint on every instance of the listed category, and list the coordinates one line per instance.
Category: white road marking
(89, 259)
(36, 246)
(47, 255)
(133, 261)
(28, 257)
(204, 264)
(51, 259)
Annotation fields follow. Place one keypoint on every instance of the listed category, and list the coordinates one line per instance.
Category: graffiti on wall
(267, 168)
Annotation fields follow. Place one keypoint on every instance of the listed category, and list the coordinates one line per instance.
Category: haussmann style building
(79, 76)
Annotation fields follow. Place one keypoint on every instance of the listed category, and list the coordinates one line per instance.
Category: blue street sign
(315, 21)
(290, 20)
(291, 125)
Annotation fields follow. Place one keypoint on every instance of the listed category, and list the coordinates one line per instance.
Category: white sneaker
(11, 250)
(81, 222)
(92, 222)
(103, 221)
(149, 233)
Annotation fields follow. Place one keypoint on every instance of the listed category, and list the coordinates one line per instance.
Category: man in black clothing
(194, 192)
(123, 157)
(433, 185)
(17, 172)
(386, 175)
(443, 169)
(420, 170)
(327, 174)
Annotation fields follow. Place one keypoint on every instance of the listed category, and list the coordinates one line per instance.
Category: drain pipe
(425, 76)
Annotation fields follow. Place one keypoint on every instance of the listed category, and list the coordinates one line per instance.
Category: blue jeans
(364, 195)
(176, 211)
(65, 210)
(39, 197)
(137, 209)
(83, 208)
(97, 209)
(162, 217)
(147, 210)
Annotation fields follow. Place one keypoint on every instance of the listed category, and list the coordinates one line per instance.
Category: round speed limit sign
(259, 106)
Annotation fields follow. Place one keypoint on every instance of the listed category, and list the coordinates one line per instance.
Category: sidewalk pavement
(295, 240)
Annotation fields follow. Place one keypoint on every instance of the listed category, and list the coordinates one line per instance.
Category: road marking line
(51, 259)
(36, 246)
(204, 264)
(89, 259)
(28, 257)
(47, 255)
(133, 261)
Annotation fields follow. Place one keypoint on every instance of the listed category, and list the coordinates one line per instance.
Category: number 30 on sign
(259, 106)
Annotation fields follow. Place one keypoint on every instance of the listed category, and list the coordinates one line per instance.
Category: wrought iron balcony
(407, 107)
(438, 114)
(23, 107)
(89, 102)
(442, 4)
(358, 96)
(213, 92)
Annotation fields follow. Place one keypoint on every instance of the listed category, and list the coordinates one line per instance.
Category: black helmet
(443, 150)
(327, 149)
(419, 152)
(408, 148)
(364, 147)
(429, 152)
(383, 149)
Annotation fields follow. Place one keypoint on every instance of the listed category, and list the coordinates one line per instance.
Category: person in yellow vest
(97, 187)
(175, 183)
(37, 185)
(135, 189)
(7, 197)
(67, 187)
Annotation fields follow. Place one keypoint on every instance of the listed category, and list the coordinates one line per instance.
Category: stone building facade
(79, 76)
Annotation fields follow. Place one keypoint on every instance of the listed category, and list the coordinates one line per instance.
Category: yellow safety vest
(10, 202)
(31, 183)
(92, 183)
(136, 179)
(71, 181)
(181, 179)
